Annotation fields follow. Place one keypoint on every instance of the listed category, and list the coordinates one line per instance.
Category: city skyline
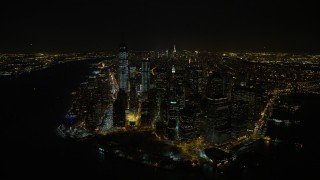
(96, 26)
(142, 89)
(212, 114)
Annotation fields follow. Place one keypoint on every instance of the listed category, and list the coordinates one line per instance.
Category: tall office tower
(218, 113)
(173, 69)
(161, 80)
(145, 75)
(217, 85)
(149, 109)
(123, 68)
(105, 109)
(145, 114)
(172, 112)
(93, 102)
(239, 117)
(253, 96)
(178, 83)
(119, 109)
(187, 126)
(218, 120)
(173, 119)
(193, 78)
(132, 95)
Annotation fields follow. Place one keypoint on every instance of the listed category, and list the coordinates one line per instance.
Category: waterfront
(33, 105)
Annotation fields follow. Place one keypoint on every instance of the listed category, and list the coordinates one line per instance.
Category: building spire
(174, 51)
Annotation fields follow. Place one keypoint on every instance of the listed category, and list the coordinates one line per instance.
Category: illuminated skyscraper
(145, 75)
(174, 50)
(173, 118)
(173, 69)
(123, 68)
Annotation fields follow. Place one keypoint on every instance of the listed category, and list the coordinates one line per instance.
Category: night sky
(236, 25)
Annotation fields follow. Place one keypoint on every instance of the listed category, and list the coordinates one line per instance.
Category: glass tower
(123, 68)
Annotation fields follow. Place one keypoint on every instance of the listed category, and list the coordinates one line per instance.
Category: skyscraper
(217, 85)
(218, 109)
(123, 68)
(145, 75)
(188, 127)
(119, 109)
(239, 117)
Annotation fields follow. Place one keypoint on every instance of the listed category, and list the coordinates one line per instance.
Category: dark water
(33, 105)
(294, 155)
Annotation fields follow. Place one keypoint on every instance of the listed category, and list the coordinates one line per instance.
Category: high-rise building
(146, 114)
(252, 95)
(145, 75)
(119, 109)
(173, 69)
(218, 112)
(123, 68)
(172, 113)
(174, 51)
(187, 124)
(173, 119)
(239, 117)
(218, 120)
(217, 85)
